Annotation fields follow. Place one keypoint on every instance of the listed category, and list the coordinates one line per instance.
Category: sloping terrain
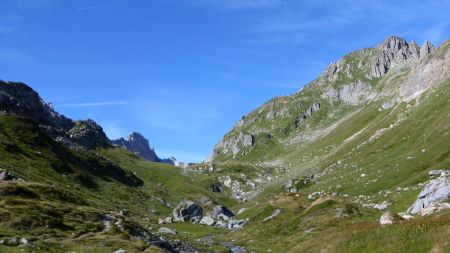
(359, 139)
(310, 172)
(59, 198)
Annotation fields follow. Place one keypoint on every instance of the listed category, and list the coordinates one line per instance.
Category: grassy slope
(400, 157)
(387, 168)
(65, 192)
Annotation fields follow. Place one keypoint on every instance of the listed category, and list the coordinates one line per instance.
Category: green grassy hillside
(58, 202)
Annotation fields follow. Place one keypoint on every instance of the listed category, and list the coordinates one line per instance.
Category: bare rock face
(88, 134)
(396, 50)
(139, 145)
(353, 93)
(21, 100)
(425, 75)
(436, 191)
(307, 113)
(234, 145)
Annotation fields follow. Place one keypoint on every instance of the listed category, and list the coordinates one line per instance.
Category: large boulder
(188, 211)
(435, 191)
(222, 211)
(6, 176)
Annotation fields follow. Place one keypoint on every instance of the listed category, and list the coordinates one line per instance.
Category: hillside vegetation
(310, 172)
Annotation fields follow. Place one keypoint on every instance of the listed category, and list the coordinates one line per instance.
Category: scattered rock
(188, 211)
(164, 230)
(120, 251)
(389, 218)
(207, 240)
(314, 195)
(273, 215)
(13, 242)
(168, 220)
(124, 212)
(241, 211)
(24, 241)
(383, 206)
(434, 173)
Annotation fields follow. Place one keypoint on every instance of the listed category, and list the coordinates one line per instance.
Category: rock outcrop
(234, 146)
(220, 216)
(188, 211)
(21, 100)
(353, 93)
(6, 176)
(395, 51)
(431, 198)
(307, 113)
(389, 218)
(139, 145)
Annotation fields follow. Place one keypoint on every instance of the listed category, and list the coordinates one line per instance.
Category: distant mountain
(21, 100)
(356, 79)
(139, 145)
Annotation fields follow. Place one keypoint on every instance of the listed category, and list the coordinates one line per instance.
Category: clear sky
(182, 72)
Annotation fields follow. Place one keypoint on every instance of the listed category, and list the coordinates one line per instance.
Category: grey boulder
(435, 191)
(188, 211)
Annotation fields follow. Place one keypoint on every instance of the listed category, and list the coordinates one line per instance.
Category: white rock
(164, 230)
(207, 220)
(383, 206)
(389, 218)
(435, 191)
(433, 173)
(273, 215)
(406, 216)
(24, 241)
(434, 207)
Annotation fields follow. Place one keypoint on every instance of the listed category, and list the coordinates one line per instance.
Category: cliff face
(139, 145)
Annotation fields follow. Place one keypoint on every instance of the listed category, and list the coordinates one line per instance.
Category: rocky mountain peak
(427, 48)
(21, 100)
(139, 145)
(394, 51)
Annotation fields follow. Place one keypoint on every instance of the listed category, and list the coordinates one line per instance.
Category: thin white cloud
(89, 7)
(94, 104)
(240, 4)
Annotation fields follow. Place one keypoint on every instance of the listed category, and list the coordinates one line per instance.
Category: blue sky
(182, 72)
